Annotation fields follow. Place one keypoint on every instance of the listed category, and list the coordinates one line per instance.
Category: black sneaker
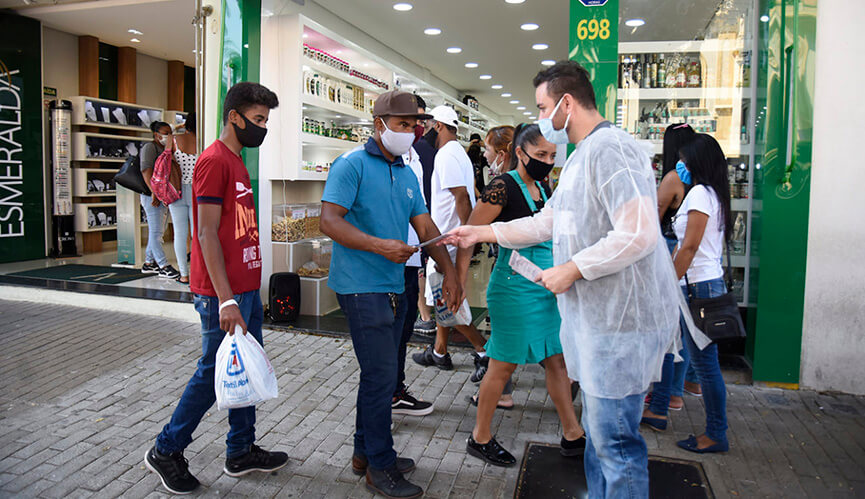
(481, 365)
(425, 327)
(491, 452)
(168, 272)
(359, 464)
(410, 406)
(390, 483)
(428, 358)
(573, 448)
(173, 470)
(150, 268)
(257, 459)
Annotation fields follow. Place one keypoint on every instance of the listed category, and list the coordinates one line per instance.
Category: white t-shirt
(452, 168)
(412, 160)
(707, 261)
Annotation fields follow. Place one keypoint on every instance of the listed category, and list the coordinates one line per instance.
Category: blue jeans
(616, 459)
(200, 394)
(682, 371)
(672, 378)
(181, 220)
(708, 369)
(411, 295)
(376, 332)
(155, 229)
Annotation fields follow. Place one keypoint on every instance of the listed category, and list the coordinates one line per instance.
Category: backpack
(165, 177)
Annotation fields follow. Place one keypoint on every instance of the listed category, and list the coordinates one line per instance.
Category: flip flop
(473, 399)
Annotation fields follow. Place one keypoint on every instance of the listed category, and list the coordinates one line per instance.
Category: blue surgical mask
(684, 174)
(549, 132)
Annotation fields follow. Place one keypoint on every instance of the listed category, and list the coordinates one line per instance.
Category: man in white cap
(453, 197)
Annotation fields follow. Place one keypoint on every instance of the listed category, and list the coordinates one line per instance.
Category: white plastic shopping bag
(244, 375)
(444, 316)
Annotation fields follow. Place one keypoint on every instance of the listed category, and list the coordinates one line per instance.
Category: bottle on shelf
(638, 73)
(681, 74)
(653, 72)
(694, 76)
(622, 75)
(661, 81)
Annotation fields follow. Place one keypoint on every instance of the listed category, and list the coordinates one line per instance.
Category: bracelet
(227, 303)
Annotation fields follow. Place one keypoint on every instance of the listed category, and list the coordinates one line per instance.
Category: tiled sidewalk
(84, 394)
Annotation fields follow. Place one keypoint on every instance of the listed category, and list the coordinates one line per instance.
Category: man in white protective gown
(613, 275)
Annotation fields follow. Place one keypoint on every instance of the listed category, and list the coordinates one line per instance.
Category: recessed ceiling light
(527, 113)
(540, 46)
(471, 65)
(485, 77)
(521, 108)
(337, 116)
(402, 7)
(454, 50)
(432, 31)
(306, 35)
(764, 18)
(529, 27)
(246, 45)
(515, 1)
(134, 31)
(514, 101)
(496, 87)
(506, 94)
(135, 40)
(548, 62)
(634, 23)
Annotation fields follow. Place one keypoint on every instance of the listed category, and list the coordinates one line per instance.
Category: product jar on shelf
(312, 222)
(319, 251)
(289, 222)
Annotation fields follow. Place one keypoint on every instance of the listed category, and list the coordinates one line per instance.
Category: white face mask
(163, 139)
(396, 143)
(496, 167)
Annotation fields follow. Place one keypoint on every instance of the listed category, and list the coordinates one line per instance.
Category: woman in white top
(702, 227)
(185, 153)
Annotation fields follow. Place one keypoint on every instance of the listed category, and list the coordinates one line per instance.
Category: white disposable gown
(620, 319)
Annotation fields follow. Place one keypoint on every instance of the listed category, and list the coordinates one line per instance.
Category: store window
(690, 62)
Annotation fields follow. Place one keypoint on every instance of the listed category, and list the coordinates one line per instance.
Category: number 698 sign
(592, 29)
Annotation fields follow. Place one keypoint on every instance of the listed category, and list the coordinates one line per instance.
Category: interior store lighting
(432, 31)
(402, 6)
(471, 65)
(634, 23)
(496, 87)
(134, 31)
(521, 108)
(529, 27)
(764, 18)
(454, 50)
(485, 77)
(135, 40)
(515, 1)
(506, 94)
(548, 62)
(514, 101)
(540, 46)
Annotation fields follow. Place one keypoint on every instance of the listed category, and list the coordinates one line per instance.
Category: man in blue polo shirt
(369, 200)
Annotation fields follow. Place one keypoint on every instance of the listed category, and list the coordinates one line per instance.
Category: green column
(594, 43)
(240, 60)
(782, 183)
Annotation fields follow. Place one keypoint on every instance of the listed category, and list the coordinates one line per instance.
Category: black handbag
(130, 176)
(717, 317)
(284, 299)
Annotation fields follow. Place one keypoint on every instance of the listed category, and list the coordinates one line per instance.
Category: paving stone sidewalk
(84, 394)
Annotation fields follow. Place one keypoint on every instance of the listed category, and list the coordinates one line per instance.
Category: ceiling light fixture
(135, 40)
(540, 46)
(496, 87)
(454, 50)
(432, 31)
(514, 101)
(527, 113)
(485, 77)
(134, 31)
(521, 108)
(764, 18)
(402, 7)
(306, 35)
(529, 27)
(548, 62)
(514, 1)
(471, 65)
(506, 94)
(634, 23)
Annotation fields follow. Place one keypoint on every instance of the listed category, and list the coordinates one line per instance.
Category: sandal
(474, 401)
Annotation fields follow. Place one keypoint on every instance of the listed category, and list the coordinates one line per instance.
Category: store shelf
(173, 117)
(340, 75)
(330, 142)
(671, 47)
(81, 218)
(683, 93)
(80, 118)
(79, 145)
(337, 109)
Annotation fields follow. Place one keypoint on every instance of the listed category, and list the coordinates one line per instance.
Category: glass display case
(705, 82)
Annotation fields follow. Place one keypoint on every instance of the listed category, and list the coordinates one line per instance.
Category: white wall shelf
(318, 67)
(82, 117)
(337, 109)
(671, 47)
(79, 145)
(330, 142)
(81, 216)
(684, 93)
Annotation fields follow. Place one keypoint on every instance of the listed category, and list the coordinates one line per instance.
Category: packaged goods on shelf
(471, 102)
(660, 71)
(312, 166)
(288, 223)
(312, 222)
(323, 57)
(320, 250)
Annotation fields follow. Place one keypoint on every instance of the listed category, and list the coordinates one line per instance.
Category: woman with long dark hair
(524, 316)
(703, 226)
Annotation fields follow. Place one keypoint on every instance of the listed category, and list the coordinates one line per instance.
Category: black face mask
(431, 137)
(537, 169)
(252, 135)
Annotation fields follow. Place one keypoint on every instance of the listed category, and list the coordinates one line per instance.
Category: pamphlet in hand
(432, 241)
(524, 267)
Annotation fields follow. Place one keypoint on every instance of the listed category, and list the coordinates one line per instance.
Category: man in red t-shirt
(225, 277)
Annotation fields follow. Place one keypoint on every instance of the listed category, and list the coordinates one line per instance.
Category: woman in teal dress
(524, 316)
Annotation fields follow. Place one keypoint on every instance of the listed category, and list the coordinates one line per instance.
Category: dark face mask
(537, 169)
(418, 133)
(252, 135)
(432, 137)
